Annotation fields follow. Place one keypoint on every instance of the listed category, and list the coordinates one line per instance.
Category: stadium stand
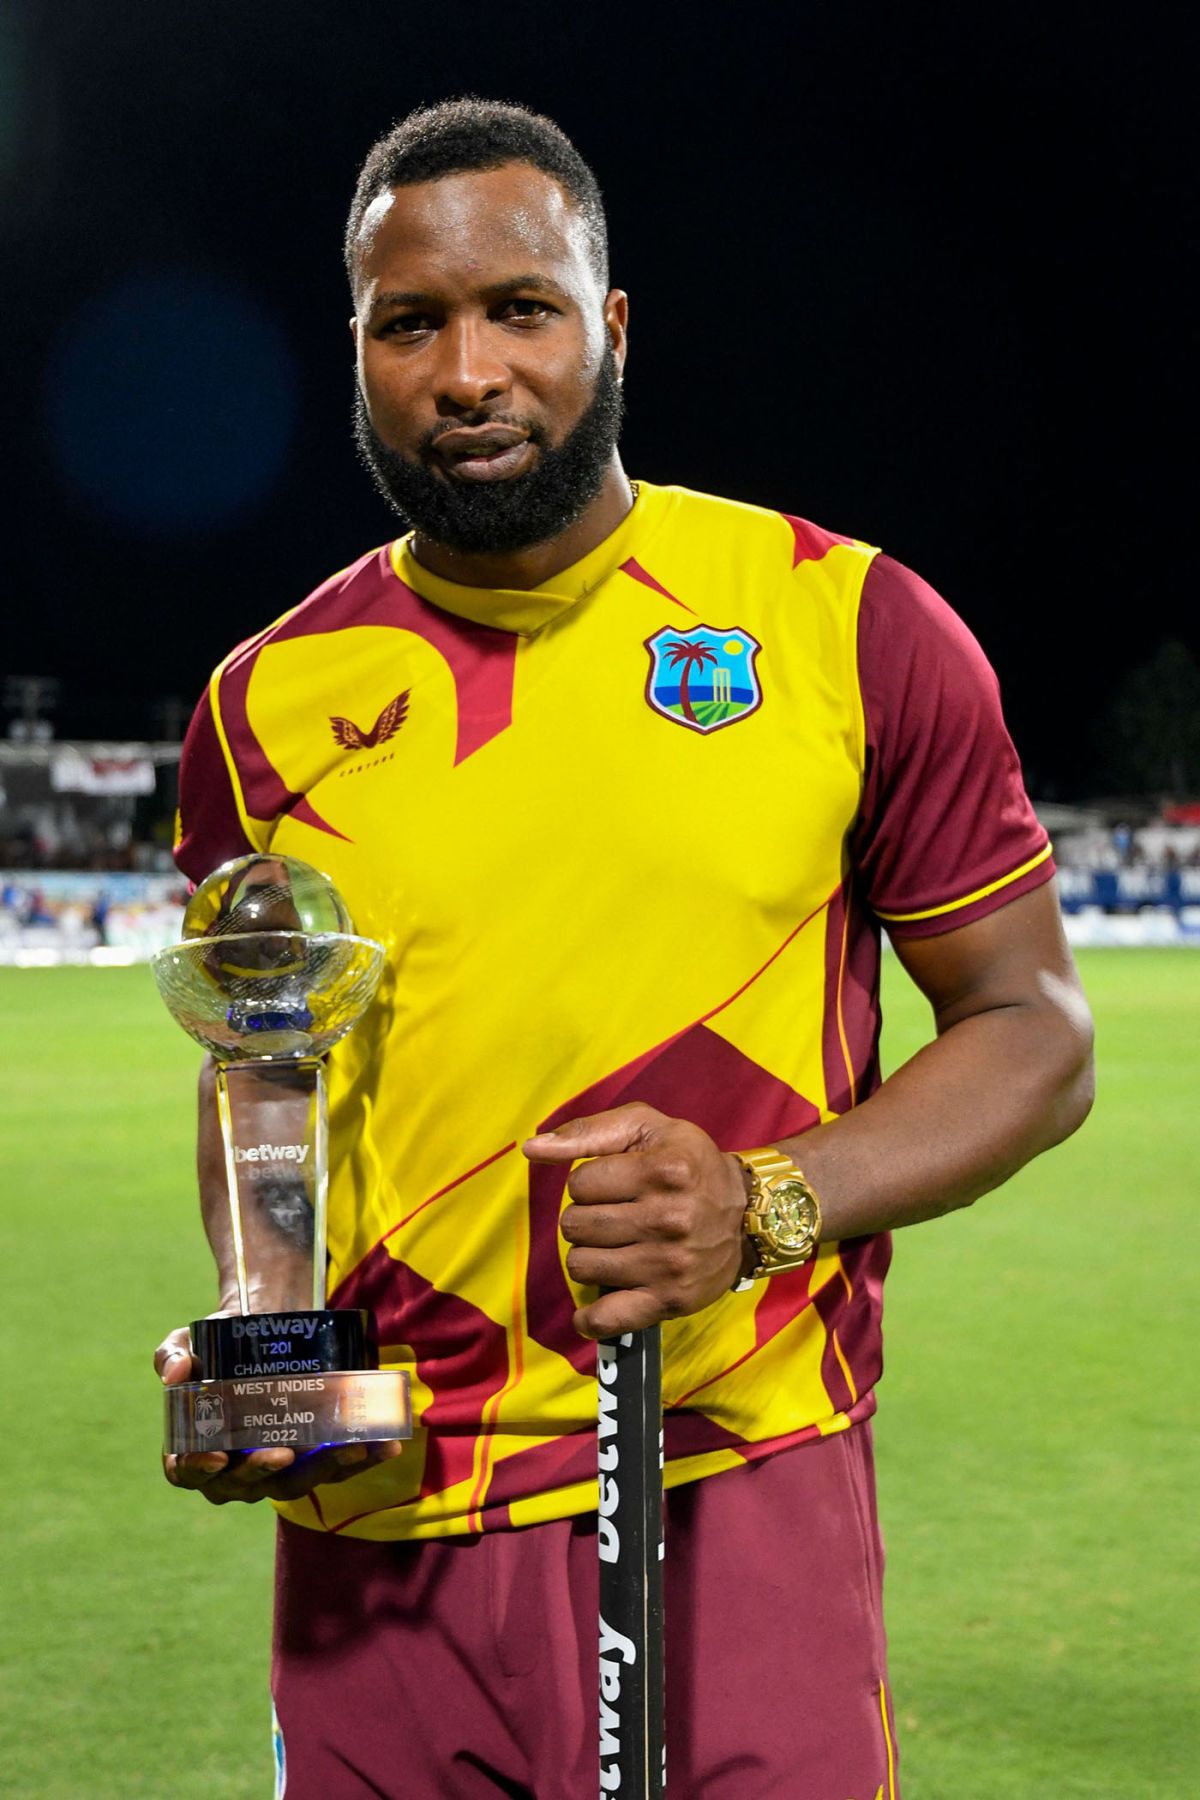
(85, 851)
(86, 873)
(1128, 883)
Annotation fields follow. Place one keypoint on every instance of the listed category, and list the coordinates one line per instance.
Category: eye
(525, 309)
(407, 325)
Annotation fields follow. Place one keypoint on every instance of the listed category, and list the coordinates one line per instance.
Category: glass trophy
(268, 977)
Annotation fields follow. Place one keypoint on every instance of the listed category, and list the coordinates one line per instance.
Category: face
(489, 358)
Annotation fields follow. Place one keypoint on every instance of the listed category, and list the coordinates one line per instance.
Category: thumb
(629, 1127)
(173, 1359)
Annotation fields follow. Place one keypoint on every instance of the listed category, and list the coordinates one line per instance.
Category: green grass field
(1036, 1438)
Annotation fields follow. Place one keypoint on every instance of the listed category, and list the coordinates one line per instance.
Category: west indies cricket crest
(209, 1415)
(703, 677)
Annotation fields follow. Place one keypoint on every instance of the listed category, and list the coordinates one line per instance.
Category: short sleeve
(946, 832)
(209, 828)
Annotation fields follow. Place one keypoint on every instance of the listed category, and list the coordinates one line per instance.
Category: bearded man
(627, 779)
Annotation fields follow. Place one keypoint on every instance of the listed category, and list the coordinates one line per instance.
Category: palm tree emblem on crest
(351, 736)
(704, 677)
(692, 656)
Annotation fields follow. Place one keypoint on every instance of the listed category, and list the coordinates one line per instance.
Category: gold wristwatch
(783, 1215)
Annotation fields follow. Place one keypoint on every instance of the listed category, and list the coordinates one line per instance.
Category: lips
(483, 452)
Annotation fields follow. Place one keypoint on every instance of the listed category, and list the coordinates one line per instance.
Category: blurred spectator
(99, 919)
(36, 910)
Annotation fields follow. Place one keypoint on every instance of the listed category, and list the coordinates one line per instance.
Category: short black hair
(469, 133)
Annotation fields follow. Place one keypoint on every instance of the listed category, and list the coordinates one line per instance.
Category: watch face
(790, 1217)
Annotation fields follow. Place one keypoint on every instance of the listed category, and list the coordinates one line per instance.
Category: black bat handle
(630, 1544)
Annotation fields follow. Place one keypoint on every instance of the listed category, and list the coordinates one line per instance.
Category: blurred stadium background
(87, 877)
(909, 272)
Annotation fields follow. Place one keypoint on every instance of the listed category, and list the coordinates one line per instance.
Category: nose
(471, 373)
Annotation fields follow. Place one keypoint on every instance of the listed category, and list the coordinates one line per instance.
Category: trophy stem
(225, 1115)
(275, 1131)
(320, 1135)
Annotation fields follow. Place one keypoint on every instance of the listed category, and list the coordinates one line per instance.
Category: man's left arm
(656, 1215)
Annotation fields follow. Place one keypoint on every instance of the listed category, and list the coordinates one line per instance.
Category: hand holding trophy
(268, 977)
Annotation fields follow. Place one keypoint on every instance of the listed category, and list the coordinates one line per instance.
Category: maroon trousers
(454, 1670)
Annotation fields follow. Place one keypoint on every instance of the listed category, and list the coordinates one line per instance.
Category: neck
(529, 568)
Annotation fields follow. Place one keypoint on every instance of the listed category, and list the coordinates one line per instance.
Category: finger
(600, 1134)
(259, 1465)
(624, 1175)
(178, 1367)
(323, 1468)
(196, 1470)
(327, 1467)
(388, 1450)
(634, 1309)
(237, 1468)
(276, 1474)
(658, 1266)
(384, 1450)
(248, 1476)
(607, 1227)
(351, 1459)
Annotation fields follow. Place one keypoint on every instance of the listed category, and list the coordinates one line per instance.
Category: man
(625, 778)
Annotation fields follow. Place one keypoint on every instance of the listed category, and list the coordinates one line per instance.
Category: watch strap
(768, 1165)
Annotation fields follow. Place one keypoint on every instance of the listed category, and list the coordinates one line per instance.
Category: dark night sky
(909, 271)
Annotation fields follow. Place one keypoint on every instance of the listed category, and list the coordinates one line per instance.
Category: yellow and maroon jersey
(625, 836)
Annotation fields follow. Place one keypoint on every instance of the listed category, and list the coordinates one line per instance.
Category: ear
(616, 323)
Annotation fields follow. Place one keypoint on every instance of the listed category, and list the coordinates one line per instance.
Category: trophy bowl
(269, 965)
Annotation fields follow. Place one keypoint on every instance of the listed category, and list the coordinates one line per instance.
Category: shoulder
(913, 648)
(792, 539)
(785, 569)
(343, 599)
(897, 598)
(244, 729)
(946, 831)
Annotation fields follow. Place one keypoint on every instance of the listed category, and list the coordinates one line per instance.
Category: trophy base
(291, 1412)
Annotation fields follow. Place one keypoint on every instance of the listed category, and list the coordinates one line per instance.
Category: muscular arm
(657, 1213)
(1008, 1076)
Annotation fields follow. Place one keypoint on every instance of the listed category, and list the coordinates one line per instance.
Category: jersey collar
(526, 610)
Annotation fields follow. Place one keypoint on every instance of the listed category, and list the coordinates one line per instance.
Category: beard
(498, 516)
